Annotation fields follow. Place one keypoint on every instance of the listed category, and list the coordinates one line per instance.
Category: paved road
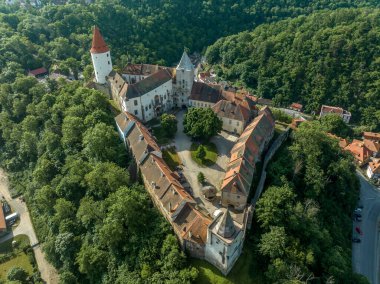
(25, 227)
(365, 255)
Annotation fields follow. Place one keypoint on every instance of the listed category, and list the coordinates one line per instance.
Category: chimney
(141, 137)
(170, 207)
(190, 234)
(153, 185)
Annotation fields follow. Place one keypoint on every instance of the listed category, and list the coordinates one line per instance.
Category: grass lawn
(171, 158)
(6, 246)
(160, 135)
(211, 154)
(245, 271)
(21, 260)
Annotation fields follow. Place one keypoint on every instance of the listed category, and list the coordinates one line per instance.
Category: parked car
(358, 210)
(6, 208)
(357, 229)
(12, 216)
(356, 240)
(358, 218)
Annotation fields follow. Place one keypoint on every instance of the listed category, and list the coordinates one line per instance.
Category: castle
(144, 92)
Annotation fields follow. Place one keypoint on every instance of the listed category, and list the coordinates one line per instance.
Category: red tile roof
(296, 106)
(3, 225)
(375, 166)
(373, 146)
(372, 136)
(98, 43)
(38, 71)
(360, 152)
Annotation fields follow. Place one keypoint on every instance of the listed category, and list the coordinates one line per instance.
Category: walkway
(365, 255)
(214, 174)
(25, 227)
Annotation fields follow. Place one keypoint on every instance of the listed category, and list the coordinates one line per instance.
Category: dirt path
(25, 227)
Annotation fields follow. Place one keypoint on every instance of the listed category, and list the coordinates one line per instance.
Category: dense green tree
(326, 58)
(334, 124)
(169, 124)
(201, 123)
(17, 274)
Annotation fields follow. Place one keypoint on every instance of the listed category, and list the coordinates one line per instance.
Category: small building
(373, 169)
(3, 224)
(371, 136)
(246, 152)
(296, 107)
(38, 73)
(360, 152)
(344, 114)
(204, 95)
(373, 147)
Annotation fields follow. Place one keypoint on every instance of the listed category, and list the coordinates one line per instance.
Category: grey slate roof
(146, 85)
(226, 227)
(203, 92)
(185, 62)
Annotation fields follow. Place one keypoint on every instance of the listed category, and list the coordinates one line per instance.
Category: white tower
(101, 57)
(184, 78)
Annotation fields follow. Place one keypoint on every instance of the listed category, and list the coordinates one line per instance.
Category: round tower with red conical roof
(101, 57)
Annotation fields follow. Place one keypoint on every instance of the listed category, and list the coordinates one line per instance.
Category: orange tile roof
(246, 152)
(359, 150)
(296, 106)
(3, 225)
(192, 225)
(372, 136)
(375, 166)
(373, 146)
(98, 43)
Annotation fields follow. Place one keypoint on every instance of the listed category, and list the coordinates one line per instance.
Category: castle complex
(144, 92)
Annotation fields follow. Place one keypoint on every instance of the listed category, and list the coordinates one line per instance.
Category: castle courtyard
(214, 174)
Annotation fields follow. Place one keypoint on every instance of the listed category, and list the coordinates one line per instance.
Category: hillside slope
(328, 57)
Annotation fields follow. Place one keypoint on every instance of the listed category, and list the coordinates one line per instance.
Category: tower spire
(226, 226)
(98, 43)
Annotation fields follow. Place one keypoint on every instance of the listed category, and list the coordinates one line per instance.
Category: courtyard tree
(169, 124)
(201, 177)
(201, 123)
(17, 274)
(201, 153)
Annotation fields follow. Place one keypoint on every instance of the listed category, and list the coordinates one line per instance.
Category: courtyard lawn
(160, 135)
(211, 154)
(171, 158)
(245, 271)
(21, 259)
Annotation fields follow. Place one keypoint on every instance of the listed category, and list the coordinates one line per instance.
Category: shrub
(201, 178)
(17, 274)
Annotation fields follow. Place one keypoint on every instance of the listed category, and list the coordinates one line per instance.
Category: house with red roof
(296, 107)
(360, 151)
(373, 169)
(38, 73)
(344, 114)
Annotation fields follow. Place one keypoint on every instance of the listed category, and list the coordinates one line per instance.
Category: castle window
(150, 106)
(136, 102)
(237, 123)
(237, 196)
(146, 108)
(165, 97)
(107, 54)
(109, 63)
(136, 112)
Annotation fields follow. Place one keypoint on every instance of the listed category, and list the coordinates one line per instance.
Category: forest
(64, 155)
(59, 145)
(304, 215)
(329, 57)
